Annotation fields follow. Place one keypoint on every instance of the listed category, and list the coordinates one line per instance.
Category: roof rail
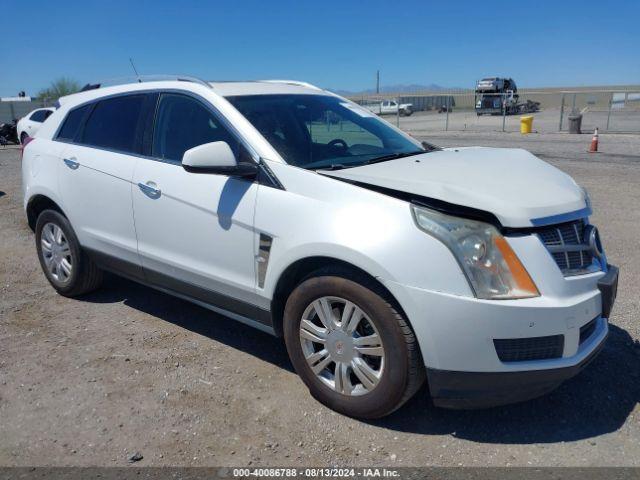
(90, 86)
(293, 82)
(143, 79)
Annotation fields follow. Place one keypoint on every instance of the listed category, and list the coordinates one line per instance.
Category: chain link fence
(608, 110)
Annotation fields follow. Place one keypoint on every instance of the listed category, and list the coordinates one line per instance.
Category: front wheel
(355, 352)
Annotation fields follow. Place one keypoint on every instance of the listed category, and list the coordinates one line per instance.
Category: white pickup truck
(386, 107)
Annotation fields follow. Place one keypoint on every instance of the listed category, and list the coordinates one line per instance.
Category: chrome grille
(568, 247)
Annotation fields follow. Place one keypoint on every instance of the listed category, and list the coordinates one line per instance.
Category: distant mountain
(400, 88)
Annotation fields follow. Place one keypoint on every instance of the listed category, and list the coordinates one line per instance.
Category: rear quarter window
(71, 124)
(39, 116)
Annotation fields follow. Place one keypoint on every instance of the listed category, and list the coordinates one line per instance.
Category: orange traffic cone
(593, 148)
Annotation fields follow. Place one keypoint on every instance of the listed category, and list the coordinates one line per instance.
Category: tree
(59, 88)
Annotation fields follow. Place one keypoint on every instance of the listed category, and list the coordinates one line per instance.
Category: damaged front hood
(512, 184)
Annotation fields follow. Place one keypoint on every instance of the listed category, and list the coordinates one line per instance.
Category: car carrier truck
(495, 96)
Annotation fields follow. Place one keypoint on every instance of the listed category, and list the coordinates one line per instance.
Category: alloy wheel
(342, 346)
(56, 253)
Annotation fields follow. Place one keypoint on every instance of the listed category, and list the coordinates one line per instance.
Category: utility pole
(377, 81)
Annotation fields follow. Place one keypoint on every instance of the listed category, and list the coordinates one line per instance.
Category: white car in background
(30, 123)
(383, 262)
(389, 107)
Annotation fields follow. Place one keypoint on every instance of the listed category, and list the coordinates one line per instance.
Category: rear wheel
(355, 352)
(23, 137)
(69, 270)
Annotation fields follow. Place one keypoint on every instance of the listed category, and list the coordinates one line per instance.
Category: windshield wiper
(384, 158)
(333, 166)
(392, 156)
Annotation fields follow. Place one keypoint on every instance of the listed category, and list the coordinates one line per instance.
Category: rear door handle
(72, 163)
(150, 190)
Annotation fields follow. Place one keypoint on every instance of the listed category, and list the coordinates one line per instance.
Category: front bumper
(456, 336)
(471, 390)
(608, 286)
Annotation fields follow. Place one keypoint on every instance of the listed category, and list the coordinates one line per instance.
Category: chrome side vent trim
(264, 250)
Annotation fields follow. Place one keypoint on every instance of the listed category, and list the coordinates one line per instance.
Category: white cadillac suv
(383, 262)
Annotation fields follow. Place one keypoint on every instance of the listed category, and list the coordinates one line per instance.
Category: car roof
(225, 89)
(265, 87)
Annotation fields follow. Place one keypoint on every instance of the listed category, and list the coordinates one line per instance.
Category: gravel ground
(91, 381)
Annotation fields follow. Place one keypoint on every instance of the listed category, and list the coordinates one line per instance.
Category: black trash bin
(575, 123)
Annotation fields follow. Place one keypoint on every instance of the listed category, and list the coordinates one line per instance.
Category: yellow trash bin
(526, 124)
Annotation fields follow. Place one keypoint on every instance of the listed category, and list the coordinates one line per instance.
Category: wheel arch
(306, 267)
(36, 205)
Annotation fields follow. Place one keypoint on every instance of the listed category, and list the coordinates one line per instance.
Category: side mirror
(217, 158)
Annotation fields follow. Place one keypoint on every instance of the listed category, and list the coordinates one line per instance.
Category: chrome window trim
(206, 104)
(272, 180)
(92, 103)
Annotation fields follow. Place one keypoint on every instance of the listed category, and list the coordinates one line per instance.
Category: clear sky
(334, 44)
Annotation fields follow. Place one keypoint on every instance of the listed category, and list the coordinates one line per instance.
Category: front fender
(318, 216)
(283, 259)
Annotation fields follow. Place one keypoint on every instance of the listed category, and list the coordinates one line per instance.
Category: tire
(401, 369)
(23, 135)
(79, 274)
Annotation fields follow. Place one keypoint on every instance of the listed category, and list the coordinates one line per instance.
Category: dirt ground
(127, 369)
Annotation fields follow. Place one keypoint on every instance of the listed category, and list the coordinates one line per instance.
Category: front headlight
(491, 266)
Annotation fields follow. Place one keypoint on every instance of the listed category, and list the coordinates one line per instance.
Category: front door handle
(150, 190)
(72, 163)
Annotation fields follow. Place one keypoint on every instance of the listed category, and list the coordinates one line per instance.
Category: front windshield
(321, 131)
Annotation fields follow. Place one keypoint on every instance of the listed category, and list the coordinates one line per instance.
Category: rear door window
(114, 124)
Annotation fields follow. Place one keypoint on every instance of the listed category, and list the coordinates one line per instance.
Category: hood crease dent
(511, 185)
